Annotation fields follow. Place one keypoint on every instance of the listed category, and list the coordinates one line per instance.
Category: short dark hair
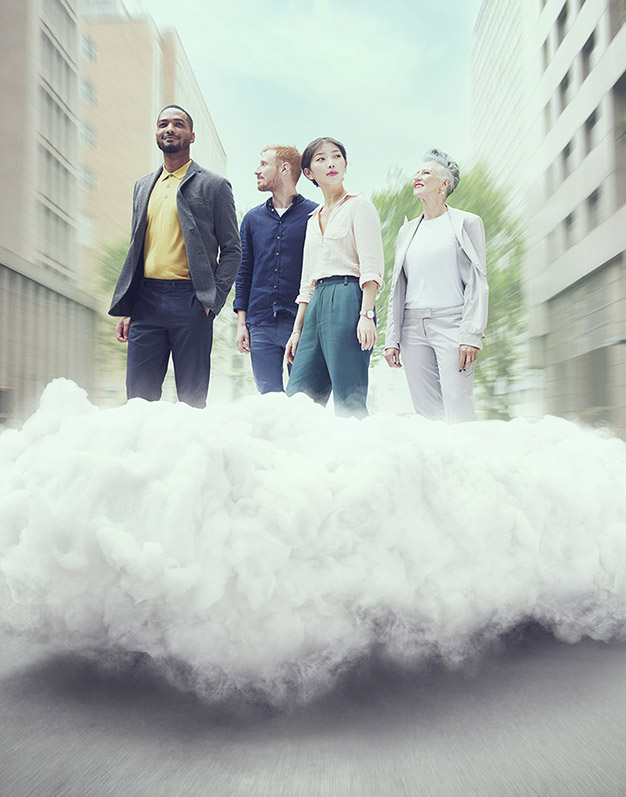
(180, 108)
(309, 151)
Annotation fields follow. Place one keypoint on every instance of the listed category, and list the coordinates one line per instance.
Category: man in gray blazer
(182, 261)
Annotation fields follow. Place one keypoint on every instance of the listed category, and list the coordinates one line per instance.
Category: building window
(87, 178)
(90, 51)
(586, 55)
(568, 231)
(566, 159)
(87, 135)
(87, 92)
(551, 242)
(547, 117)
(617, 16)
(564, 86)
(593, 209)
(591, 129)
(561, 25)
(549, 180)
(545, 53)
(6, 404)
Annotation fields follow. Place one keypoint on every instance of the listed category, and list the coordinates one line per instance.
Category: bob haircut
(309, 151)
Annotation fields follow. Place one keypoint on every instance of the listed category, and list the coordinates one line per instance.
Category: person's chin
(170, 148)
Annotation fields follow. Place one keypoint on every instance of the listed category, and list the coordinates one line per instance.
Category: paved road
(537, 718)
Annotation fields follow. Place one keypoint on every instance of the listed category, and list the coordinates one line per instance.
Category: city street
(537, 717)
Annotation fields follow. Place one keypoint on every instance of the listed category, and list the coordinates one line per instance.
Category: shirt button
(278, 237)
(276, 254)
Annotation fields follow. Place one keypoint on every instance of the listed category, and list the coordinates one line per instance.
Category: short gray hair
(447, 167)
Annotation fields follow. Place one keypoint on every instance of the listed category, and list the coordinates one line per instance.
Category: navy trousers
(168, 318)
(329, 356)
(267, 352)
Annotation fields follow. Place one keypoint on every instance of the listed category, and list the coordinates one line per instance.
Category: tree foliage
(500, 363)
(111, 354)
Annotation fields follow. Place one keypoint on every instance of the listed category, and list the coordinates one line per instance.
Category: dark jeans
(267, 352)
(329, 356)
(168, 318)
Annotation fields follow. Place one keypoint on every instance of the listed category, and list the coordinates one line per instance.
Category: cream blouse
(350, 246)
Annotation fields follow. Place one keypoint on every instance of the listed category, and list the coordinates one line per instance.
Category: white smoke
(266, 545)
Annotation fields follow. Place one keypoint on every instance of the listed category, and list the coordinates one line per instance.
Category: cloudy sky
(389, 79)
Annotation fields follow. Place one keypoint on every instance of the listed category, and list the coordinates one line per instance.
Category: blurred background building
(47, 320)
(130, 71)
(81, 84)
(549, 119)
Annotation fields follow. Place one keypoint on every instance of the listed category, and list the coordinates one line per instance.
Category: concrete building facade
(47, 320)
(571, 167)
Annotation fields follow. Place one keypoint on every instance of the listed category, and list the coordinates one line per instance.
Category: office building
(574, 181)
(46, 318)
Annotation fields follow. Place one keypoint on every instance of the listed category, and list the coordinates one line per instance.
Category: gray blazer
(206, 210)
(470, 233)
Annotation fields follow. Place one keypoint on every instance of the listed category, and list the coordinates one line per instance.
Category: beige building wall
(46, 319)
(181, 87)
(120, 99)
(130, 72)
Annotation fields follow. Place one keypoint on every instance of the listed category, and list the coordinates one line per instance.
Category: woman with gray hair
(438, 301)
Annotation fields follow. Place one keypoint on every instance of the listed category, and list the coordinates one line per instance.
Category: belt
(336, 279)
(152, 282)
(428, 312)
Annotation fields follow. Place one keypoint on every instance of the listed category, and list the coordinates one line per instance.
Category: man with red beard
(272, 240)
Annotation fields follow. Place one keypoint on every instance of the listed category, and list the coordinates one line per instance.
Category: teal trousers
(329, 356)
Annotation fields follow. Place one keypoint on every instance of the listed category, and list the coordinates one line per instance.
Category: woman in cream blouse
(342, 270)
(438, 302)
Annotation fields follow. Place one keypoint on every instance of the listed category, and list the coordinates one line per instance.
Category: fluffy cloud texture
(265, 545)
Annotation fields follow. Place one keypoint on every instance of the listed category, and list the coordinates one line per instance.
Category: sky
(389, 80)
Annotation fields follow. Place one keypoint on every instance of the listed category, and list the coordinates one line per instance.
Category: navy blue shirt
(268, 280)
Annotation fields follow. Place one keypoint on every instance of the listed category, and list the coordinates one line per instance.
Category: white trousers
(430, 354)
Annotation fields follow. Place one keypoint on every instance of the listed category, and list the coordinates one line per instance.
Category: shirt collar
(319, 208)
(269, 204)
(178, 174)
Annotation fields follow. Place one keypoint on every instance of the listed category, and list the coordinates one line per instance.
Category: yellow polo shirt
(164, 253)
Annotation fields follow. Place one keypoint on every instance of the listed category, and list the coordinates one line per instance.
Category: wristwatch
(368, 313)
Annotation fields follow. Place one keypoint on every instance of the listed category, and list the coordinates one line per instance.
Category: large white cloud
(266, 545)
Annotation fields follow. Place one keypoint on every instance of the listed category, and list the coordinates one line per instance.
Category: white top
(351, 245)
(470, 234)
(431, 264)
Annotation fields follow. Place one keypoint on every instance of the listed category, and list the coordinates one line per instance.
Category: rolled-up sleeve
(369, 242)
(476, 295)
(307, 281)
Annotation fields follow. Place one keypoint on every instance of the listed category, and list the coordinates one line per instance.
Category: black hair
(180, 108)
(309, 151)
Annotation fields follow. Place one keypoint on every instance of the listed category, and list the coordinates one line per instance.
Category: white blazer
(470, 233)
